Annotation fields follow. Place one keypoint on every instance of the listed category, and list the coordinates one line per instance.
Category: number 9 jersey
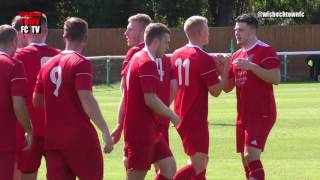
(196, 71)
(67, 124)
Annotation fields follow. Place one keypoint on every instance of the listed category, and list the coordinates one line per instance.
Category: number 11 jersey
(196, 71)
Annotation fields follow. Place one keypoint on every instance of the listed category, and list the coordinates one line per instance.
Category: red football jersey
(166, 74)
(129, 55)
(195, 71)
(141, 77)
(59, 80)
(13, 83)
(255, 98)
(33, 57)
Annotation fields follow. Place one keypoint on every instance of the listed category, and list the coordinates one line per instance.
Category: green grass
(292, 151)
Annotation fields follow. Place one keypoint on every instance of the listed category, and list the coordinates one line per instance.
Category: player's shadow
(221, 124)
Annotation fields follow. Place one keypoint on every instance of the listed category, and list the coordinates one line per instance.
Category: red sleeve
(173, 74)
(39, 84)
(230, 72)
(208, 71)
(126, 60)
(18, 80)
(270, 59)
(149, 77)
(83, 75)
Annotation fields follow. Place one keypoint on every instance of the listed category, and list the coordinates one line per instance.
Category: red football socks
(256, 170)
(185, 173)
(201, 176)
(160, 177)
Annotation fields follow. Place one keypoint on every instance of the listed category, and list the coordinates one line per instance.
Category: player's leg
(240, 138)
(86, 162)
(196, 145)
(245, 166)
(136, 174)
(164, 159)
(57, 167)
(252, 157)
(16, 172)
(30, 161)
(167, 168)
(139, 159)
(6, 165)
(255, 139)
(164, 129)
(199, 162)
(196, 169)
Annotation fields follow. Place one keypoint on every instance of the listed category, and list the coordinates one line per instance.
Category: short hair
(248, 18)
(75, 28)
(143, 19)
(155, 30)
(44, 19)
(7, 34)
(193, 24)
(15, 23)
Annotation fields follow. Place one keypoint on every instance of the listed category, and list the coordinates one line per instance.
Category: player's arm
(271, 76)
(20, 110)
(173, 89)
(38, 100)
(116, 133)
(158, 107)
(228, 85)
(92, 109)
(216, 89)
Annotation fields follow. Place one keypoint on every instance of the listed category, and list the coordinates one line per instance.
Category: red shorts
(195, 141)
(164, 130)
(141, 156)
(6, 165)
(86, 163)
(29, 161)
(253, 134)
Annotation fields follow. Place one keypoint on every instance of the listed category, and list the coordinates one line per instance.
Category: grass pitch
(292, 151)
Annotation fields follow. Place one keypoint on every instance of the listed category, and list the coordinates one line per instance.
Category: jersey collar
(4, 53)
(38, 44)
(150, 54)
(195, 46)
(250, 48)
(69, 52)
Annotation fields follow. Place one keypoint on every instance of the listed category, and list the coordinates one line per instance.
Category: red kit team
(48, 108)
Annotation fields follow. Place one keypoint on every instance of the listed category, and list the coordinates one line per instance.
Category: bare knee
(167, 167)
(199, 162)
(136, 175)
(251, 154)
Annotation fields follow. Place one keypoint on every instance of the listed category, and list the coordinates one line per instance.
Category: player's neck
(37, 41)
(6, 50)
(152, 51)
(74, 47)
(250, 43)
(196, 43)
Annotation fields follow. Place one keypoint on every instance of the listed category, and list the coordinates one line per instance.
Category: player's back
(33, 57)
(132, 51)
(193, 67)
(10, 80)
(139, 119)
(61, 77)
